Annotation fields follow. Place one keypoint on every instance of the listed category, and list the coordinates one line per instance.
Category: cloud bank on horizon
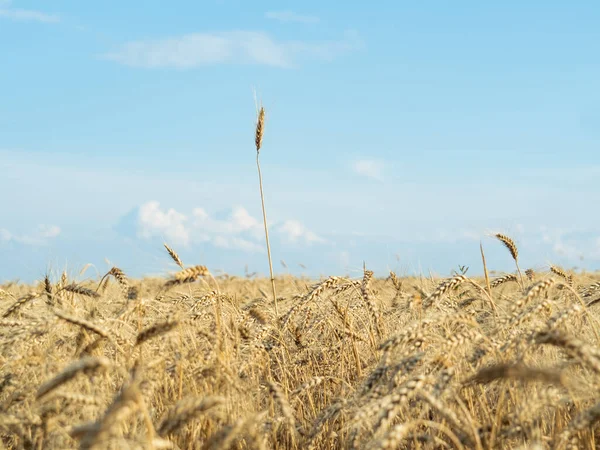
(233, 239)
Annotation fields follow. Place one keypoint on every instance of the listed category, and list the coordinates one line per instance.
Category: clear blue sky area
(398, 133)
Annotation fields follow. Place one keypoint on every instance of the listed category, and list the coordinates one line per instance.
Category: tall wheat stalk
(260, 127)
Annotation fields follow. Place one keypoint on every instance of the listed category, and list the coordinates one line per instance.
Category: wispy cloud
(290, 16)
(369, 168)
(227, 47)
(238, 230)
(25, 15)
(40, 236)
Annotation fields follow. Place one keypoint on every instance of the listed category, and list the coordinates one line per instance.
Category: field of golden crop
(197, 362)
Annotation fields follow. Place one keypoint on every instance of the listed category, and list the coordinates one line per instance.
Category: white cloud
(241, 220)
(152, 221)
(294, 232)
(227, 47)
(238, 230)
(26, 15)
(40, 236)
(290, 16)
(369, 168)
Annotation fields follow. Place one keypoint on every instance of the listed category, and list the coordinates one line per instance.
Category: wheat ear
(174, 256)
(77, 289)
(514, 252)
(19, 303)
(504, 279)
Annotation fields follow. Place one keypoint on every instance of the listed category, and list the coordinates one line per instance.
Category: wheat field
(194, 361)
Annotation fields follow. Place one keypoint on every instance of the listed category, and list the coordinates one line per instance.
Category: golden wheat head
(260, 128)
(174, 256)
(509, 244)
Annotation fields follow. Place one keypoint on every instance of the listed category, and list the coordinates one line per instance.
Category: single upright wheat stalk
(260, 128)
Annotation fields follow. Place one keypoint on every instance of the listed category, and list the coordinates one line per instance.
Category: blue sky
(399, 134)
